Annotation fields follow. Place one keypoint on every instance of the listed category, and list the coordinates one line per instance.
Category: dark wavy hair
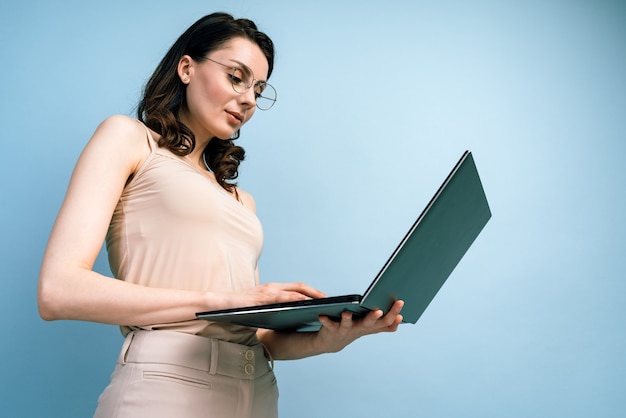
(164, 93)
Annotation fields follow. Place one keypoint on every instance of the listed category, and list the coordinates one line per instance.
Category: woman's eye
(237, 76)
(258, 89)
(235, 79)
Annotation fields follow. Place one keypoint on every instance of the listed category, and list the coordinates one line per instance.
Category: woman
(182, 238)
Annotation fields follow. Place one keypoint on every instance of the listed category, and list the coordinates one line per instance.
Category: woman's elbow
(47, 301)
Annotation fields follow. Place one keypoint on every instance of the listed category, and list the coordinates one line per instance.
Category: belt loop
(214, 356)
(268, 355)
(126, 347)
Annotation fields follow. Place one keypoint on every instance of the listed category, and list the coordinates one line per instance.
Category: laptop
(414, 273)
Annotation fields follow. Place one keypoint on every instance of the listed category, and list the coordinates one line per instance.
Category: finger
(386, 320)
(394, 326)
(394, 323)
(396, 307)
(304, 289)
(394, 310)
(370, 319)
(289, 296)
(397, 322)
(287, 292)
(346, 319)
(324, 320)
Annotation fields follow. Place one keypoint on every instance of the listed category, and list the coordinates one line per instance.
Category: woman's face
(214, 108)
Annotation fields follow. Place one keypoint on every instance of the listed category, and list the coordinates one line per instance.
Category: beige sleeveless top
(174, 228)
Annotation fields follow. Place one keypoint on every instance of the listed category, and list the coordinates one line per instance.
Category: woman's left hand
(334, 335)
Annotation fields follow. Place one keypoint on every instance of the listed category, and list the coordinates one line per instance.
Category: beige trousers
(171, 374)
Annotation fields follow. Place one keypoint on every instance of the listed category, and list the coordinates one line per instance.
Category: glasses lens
(265, 96)
(241, 79)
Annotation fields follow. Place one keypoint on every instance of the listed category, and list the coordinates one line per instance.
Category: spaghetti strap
(152, 145)
(151, 142)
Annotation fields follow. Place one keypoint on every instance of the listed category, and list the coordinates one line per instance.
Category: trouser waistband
(201, 353)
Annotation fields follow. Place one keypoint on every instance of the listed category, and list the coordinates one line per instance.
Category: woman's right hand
(272, 293)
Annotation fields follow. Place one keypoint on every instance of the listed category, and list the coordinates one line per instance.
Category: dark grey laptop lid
(434, 245)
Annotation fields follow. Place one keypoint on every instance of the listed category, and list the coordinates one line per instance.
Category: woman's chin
(228, 135)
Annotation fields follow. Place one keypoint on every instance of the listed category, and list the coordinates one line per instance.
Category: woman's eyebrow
(246, 68)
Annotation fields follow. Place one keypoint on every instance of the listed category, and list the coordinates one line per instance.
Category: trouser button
(248, 369)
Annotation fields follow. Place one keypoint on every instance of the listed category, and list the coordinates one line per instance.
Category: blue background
(377, 100)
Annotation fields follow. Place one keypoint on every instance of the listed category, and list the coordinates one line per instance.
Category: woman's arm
(69, 289)
(332, 337)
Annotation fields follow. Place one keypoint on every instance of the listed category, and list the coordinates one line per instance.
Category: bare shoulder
(123, 129)
(246, 199)
(116, 149)
(121, 137)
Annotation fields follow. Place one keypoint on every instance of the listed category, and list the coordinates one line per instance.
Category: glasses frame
(245, 69)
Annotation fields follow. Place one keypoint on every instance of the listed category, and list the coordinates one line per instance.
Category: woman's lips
(235, 117)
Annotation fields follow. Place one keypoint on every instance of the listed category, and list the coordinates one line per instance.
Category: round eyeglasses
(242, 79)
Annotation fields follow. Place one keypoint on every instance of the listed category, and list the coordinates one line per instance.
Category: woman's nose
(248, 98)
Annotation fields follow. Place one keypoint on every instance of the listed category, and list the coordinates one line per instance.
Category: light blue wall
(377, 100)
